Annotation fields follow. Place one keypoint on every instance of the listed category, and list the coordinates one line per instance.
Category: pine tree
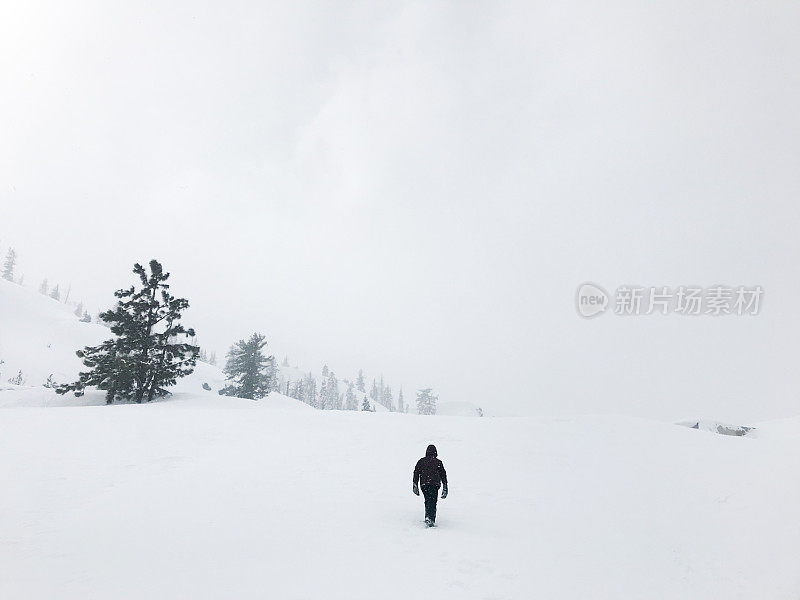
(146, 354)
(325, 370)
(374, 395)
(400, 403)
(44, 288)
(79, 310)
(298, 390)
(360, 382)
(426, 402)
(365, 406)
(10, 263)
(251, 373)
(285, 362)
(350, 402)
(388, 401)
(86, 318)
(323, 394)
(55, 294)
(333, 400)
(212, 358)
(380, 393)
(310, 390)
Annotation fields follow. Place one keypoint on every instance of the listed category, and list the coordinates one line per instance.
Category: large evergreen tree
(9, 264)
(250, 372)
(400, 403)
(149, 350)
(426, 402)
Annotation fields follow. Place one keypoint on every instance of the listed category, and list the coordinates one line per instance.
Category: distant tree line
(329, 394)
(251, 373)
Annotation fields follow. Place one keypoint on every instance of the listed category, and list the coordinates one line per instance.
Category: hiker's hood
(431, 451)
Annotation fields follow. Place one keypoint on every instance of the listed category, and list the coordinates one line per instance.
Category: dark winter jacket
(430, 470)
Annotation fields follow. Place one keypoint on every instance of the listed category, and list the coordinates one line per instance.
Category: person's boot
(428, 522)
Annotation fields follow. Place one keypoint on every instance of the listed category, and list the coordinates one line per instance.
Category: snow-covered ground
(226, 498)
(202, 496)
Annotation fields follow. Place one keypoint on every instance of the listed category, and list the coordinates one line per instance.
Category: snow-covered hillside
(39, 337)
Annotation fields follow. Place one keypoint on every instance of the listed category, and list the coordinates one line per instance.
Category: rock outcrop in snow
(716, 427)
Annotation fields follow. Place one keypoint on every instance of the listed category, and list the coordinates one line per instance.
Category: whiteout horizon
(592, 300)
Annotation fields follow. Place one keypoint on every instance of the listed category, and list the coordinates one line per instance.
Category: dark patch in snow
(717, 427)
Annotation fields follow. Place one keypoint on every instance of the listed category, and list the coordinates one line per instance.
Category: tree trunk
(143, 361)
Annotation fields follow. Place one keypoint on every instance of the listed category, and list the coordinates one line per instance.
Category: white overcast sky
(418, 188)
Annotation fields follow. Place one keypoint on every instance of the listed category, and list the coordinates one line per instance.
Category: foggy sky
(417, 189)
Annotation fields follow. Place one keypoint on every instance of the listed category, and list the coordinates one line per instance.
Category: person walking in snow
(429, 474)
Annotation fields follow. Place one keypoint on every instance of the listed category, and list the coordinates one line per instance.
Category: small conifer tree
(250, 372)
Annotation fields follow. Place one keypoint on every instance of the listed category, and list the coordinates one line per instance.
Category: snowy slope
(39, 336)
(457, 409)
(218, 498)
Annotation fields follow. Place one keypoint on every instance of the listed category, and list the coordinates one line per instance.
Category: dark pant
(431, 493)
